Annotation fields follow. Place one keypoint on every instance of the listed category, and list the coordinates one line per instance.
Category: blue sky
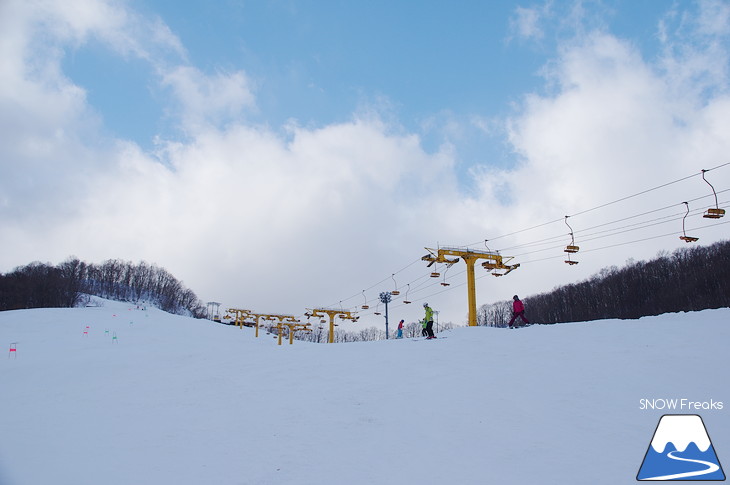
(425, 63)
(291, 153)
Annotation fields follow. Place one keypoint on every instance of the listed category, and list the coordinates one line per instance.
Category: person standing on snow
(400, 330)
(518, 310)
(428, 319)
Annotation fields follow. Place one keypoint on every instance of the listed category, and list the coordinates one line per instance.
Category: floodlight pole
(385, 298)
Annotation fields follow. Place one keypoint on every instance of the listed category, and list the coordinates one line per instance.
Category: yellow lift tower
(277, 319)
(332, 312)
(494, 261)
(239, 316)
(249, 319)
(293, 327)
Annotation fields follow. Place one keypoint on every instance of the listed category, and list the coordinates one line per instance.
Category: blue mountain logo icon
(681, 450)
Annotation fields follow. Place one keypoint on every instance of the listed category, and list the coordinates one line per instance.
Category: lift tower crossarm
(295, 327)
(240, 316)
(332, 312)
(273, 318)
(470, 256)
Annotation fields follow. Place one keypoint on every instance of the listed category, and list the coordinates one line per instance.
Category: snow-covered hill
(172, 400)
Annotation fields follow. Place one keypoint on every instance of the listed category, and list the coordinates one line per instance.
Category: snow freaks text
(679, 404)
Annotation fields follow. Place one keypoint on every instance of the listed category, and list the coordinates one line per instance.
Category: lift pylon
(239, 316)
(272, 317)
(494, 261)
(332, 312)
(293, 327)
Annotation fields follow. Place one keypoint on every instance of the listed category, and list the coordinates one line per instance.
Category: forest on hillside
(689, 279)
(42, 285)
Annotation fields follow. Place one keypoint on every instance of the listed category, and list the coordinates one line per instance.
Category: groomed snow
(189, 402)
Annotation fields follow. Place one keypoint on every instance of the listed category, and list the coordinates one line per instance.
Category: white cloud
(251, 217)
(527, 22)
(205, 100)
(614, 125)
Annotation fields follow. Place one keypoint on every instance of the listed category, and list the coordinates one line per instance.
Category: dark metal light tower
(385, 297)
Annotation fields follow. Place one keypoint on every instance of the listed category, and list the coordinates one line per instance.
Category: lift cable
(602, 205)
(553, 238)
(424, 279)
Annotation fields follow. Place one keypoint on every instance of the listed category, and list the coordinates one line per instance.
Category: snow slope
(180, 401)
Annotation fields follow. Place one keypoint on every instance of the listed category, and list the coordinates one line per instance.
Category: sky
(278, 156)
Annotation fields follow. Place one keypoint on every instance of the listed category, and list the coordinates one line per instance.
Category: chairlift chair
(405, 300)
(716, 212)
(394, 292)
(689, 239)
(685, 237)
(571, 248)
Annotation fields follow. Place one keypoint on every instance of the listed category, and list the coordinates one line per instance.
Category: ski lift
(394, 292)
(568, 261)
(444, 283)
(685, 237)
(377, 308)
(716, 212)
(570, 248)
(435, 275)
(365, 305)
(408, 288)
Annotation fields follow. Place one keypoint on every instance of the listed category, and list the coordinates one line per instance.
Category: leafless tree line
(43, 285)
(689, 279)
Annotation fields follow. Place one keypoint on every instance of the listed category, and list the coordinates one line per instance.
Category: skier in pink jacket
(518, 310)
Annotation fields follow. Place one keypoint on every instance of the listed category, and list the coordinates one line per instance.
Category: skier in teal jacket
(429, 321)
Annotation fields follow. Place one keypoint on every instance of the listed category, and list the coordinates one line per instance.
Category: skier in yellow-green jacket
(429, 321)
